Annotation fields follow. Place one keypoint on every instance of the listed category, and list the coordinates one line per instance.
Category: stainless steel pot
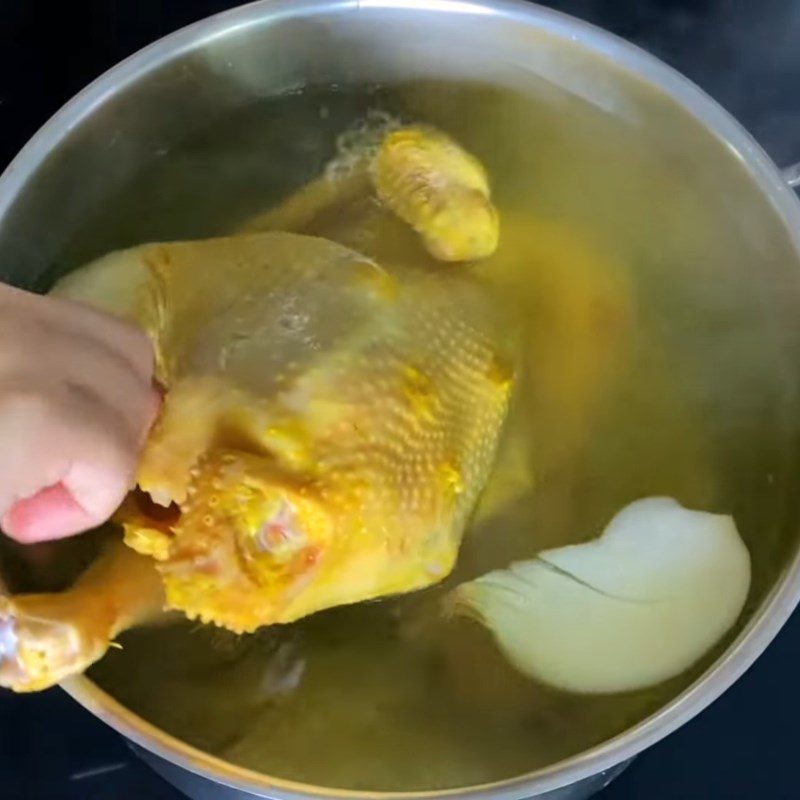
(87, 151)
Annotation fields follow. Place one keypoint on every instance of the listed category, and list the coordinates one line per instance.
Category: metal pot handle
(792, 175)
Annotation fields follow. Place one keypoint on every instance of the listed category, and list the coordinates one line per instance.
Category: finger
(90, 366)
(63, 315)
(155, 403)
(45, 431)
(129, 341)
(103, 458)
(67, 438)
(81, 332)
(31, 456)
(51, 513)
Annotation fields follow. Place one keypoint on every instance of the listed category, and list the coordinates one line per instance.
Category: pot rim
(776, 607)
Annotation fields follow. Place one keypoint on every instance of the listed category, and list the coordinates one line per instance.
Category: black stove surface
(746, 54)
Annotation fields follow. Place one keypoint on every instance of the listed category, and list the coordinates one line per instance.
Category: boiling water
(656, 364)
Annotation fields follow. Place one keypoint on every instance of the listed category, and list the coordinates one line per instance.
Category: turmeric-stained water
(660, 359)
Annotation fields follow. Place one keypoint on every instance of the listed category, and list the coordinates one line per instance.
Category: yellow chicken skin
(328, 424)
(334, 452)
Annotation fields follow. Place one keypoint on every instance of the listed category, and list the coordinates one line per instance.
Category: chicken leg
(388, 186)
(46, 637)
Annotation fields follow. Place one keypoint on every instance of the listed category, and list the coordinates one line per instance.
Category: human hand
(76, 403)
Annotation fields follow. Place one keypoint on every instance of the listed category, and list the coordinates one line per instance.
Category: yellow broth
(660, 359)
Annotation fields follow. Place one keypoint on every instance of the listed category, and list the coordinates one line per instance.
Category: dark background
(746, 54)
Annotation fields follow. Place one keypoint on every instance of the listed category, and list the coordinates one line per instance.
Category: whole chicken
(332, 408)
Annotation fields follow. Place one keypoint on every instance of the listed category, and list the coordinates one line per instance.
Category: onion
(634, 607)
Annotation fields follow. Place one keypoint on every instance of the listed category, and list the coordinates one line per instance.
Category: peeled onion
(634, 607)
